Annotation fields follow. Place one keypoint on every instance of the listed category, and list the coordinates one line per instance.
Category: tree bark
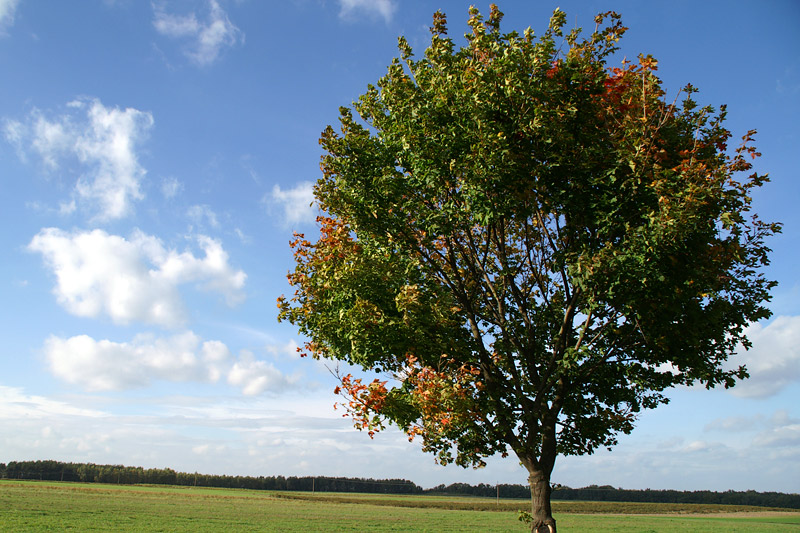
(542, 514)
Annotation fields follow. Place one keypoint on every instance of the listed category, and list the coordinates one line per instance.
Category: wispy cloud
(135, 279)
(15, 404)
(382, 8)
(170, 187)
(202, 215)
(102, 139)
(7, 9)
(782, 431)
(206, 37)
(296, 205)
(789, 83)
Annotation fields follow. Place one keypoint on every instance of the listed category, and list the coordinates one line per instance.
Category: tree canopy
(530, 244)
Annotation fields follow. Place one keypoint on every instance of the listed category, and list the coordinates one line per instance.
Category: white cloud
(255, 376)
(170, 187)
(782, 431)
(14, 404)
(700, 446)
(102, 139)
(774, 360)
(297, 204)
(7, 8)
(51, 139)
(207, 38)
(242, 236)
(109, 147)
(203, 214)
(104, 365)
(296, 433)
(290, 350)
(384, 8)
(735, 423)
(216, 358)
(15, 132)
(132, 280)
(764, 445)
(206, 449)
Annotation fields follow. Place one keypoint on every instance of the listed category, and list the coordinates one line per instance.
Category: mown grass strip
(487, 504)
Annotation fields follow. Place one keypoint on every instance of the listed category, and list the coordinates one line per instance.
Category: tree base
(544, 528)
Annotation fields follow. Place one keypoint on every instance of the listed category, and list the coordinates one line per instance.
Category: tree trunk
(542, 514)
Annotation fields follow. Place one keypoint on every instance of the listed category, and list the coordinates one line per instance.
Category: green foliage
(533, 244)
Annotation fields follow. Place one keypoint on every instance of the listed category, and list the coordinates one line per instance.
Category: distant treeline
(607, 493)
(131, 475)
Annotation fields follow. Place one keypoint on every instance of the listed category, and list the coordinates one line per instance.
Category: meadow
(53, 506)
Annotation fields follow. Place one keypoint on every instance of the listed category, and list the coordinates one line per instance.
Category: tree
(530, 244)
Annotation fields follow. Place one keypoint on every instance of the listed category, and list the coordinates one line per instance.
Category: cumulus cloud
(7, 8)
(207, 38)
(135, 279)
(383, 8)
(104, 365)
(297, 204)
(216, 358)
(102, 139)
(256, 376)
(774, 360)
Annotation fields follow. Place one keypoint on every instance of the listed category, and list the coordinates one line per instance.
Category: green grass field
(50, 506)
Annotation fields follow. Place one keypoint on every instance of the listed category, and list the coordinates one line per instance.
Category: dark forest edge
(132, 475)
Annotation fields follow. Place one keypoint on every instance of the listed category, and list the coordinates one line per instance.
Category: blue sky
(155, 158)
